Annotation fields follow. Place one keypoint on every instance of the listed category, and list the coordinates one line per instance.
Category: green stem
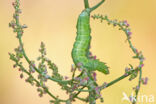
(86, 4)
(83, 90)
(117, 80)
(77, 93)
(73, 77)
(120, 78)
(96, 6)
(85, 100)
(138, 87)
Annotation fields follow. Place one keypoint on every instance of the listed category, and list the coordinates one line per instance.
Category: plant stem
(138, 87)
(77, 93)
(96, 6)
(85, 100)
(117, 80)
(86, 4)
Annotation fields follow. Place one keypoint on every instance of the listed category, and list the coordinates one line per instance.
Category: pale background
(54, 23)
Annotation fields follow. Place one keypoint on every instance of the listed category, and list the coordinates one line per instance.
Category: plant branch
(124, 26)
(96, 6)
(86, 78)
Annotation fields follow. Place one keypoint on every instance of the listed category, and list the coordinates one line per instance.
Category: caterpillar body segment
(81, 46)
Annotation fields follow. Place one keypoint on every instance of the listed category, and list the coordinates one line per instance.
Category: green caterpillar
(81, 46)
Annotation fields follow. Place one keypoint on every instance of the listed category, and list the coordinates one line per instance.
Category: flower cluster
(17, 28)
(123, 25)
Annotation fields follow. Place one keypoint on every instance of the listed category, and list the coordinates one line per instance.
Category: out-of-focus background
(54, 23)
